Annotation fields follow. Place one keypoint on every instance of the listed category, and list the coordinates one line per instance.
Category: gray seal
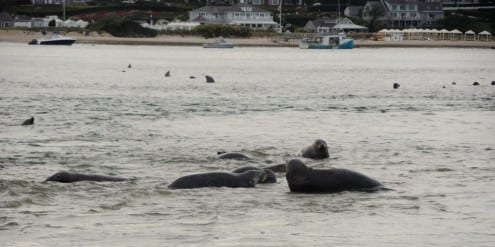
(276, 168)
(66, 177)
(29, 121)
(246, 179)
(269, 174)
(301, 178)
(209, 79)
(317, 150)
(232, 156)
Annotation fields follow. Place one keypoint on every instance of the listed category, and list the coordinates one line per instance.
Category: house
(403, 13)
(240, 14)
(22, 21)
(6, 20)
(326, 25)
(431, 12)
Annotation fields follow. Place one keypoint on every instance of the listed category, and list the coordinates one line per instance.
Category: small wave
(8, 225)
(10, 204)
(116, 206)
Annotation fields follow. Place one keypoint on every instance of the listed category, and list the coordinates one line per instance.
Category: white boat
(219, 43)
(336, 41)
(56, 39)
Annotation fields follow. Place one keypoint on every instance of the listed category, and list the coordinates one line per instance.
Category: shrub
(215, 30)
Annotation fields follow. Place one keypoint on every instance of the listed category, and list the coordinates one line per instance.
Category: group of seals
(300, 178)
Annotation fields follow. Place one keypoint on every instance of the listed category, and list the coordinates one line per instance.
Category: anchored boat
(336, 41)
(219, 43)
(56, 39)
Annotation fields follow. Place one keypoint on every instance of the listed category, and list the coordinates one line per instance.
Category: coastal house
(240, 14)
(403, 13)
(326, 25)
(6, 20)
(22, 21)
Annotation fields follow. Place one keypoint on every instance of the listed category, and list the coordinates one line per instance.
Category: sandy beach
(24, 36)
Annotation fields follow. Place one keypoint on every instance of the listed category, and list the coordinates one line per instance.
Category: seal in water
(209, 79)
(269, 174)
(317, 150)
(246, 179)
(276, 168)
(28, 121)
(232, 156)
(301, 178)
(66, 177)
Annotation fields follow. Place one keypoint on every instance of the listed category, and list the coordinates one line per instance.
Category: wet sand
(24, 36)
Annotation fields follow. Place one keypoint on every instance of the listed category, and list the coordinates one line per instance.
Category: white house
(325, 25)
(240, 14)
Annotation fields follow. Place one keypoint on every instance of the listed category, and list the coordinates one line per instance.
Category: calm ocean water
(433, 146)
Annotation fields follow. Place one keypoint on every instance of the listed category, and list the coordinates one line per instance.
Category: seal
(28, 121)
(476, 83)
(232, 156)
(209, 79)
(317, 150)
(246, 179)
(276, 168)
(66, 177)
(396, 85)
(269, 174)
(301, 178)
(167, 74)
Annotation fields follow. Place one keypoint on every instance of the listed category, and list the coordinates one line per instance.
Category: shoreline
(24, 36)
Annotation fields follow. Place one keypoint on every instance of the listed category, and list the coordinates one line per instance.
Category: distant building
(326, 25)
(22, 21)
(6, 20)
(240, 14)
(403, 13)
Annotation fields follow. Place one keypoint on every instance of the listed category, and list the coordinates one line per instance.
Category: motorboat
(336, 41)
(55, 39)
(219, 43)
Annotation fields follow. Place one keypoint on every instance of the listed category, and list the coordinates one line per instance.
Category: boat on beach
(219, 43)
(335, 41)
(55, 39)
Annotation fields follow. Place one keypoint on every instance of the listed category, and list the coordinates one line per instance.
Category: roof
(233, 8)
(324, 22)
(5, 17)
(22, 18)
(354, 10)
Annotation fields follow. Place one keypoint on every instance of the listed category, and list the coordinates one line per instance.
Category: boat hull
(345, 43)
(57, 42)
(218, 46)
